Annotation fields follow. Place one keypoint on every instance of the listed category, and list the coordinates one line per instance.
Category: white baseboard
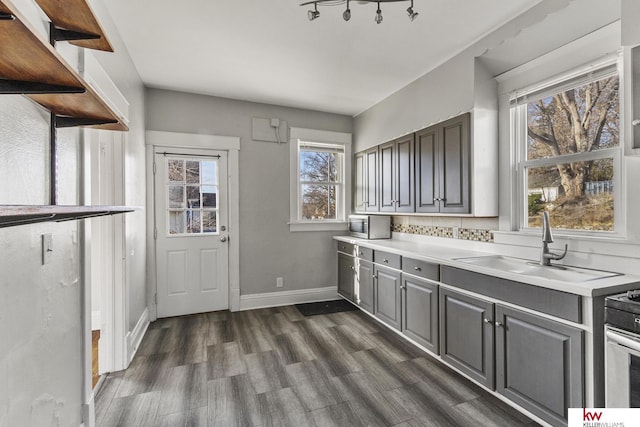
(134, 338)
(277, 299)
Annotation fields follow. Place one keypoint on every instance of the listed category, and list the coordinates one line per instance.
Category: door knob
(223, 239)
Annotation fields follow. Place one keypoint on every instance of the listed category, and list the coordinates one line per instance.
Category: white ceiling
(268, 51)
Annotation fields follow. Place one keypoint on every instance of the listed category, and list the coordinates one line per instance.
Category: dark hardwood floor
(276, 367)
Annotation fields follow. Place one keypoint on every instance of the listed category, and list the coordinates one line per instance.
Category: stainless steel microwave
(370, 226)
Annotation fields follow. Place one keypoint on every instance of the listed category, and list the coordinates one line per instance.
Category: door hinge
(155, 233)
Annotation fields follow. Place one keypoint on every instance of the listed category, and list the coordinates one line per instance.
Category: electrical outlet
(279, 282)
(47, 248)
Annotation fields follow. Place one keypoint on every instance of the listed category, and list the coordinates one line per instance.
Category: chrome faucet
(546, 256)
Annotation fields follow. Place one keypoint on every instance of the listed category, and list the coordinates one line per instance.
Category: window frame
(322, 139)
(518, 120)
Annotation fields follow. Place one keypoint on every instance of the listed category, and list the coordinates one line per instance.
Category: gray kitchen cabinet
(442, 167)
(420, 311)
(387, 296)
(366, 181)
(467, 335)
(364, 289)
(397, 175)
(539, 363)
(346, 270)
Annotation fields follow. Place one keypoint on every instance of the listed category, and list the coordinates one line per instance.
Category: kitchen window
(567, 134)
(319, 179)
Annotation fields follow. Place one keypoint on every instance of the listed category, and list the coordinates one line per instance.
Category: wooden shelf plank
(25, 56)
(14, 215)
(76, 15)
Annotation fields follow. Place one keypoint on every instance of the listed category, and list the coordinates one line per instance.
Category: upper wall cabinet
(446, 169)
(366, 181)
(442, 164)
(397, 176)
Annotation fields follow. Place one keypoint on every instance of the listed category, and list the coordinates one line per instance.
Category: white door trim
(177, 140)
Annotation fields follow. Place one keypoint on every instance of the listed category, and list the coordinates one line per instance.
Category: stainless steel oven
(622, 350)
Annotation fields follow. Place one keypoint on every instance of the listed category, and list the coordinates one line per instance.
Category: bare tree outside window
(320, 184)
(578, 194)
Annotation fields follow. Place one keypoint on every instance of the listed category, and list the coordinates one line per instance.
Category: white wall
(41, 334)
(267, 248)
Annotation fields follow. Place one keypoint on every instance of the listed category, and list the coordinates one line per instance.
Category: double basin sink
(532, 269)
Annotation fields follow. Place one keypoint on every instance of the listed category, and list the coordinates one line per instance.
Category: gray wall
(267, 248)
(41, 336)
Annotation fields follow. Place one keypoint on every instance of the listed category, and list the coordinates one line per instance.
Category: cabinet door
(539, 364)
(420, 311)
(364, 285)
(387, 296)
(371, 180)
(405, 175)
(359, 175)
(346, 270)
(466, 335)
(387, 154)
(427, 182)
(454, 165)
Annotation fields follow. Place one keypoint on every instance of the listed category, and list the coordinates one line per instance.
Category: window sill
(318, 226)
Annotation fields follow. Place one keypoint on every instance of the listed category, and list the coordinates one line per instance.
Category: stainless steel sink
(533, 269)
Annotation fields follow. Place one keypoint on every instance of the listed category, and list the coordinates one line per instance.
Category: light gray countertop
(449, 256)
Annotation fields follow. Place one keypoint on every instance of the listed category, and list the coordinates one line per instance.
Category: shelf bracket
(20, 87)
(68, 122)
(6, 16)
(60, 34)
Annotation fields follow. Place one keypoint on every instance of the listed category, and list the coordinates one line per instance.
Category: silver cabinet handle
(499, 324)
(223, 239)
(352, 267)
(374, 276)
(386, 261)
(417, 268)
(487, 321)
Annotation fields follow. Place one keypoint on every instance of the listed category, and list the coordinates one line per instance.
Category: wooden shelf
(14, 215)
(76, 15)
(25, 57)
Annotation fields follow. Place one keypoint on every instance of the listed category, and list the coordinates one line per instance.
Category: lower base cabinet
(539, 364)
(364, 291)
(466, 335)
(420, 311)
(388, 302)
(346, 269)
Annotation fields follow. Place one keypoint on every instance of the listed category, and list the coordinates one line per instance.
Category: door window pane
(209, 172)
(176, 196)
(578, 196)
(176, 222)
(209, 221)
(209, 196)
(193, 172)
(193, 196)
(175, 170)
(193, 222)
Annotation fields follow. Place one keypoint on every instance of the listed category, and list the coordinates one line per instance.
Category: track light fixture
(411, 13)
(346, 15)
(378, 15)
(313, 14)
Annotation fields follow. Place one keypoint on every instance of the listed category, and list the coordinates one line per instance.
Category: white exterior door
(192, 255)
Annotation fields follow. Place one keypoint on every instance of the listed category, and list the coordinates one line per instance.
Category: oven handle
(623, 340)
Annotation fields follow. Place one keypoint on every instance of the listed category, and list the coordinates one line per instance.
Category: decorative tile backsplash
(476, 234)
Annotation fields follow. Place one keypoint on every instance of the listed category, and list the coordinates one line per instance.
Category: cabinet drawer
(347, 248)
(421, 268)
(364, 253)
(388, 259)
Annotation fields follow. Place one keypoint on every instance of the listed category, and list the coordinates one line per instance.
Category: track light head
(412, 15)
(313, 14)
(378, 15)
(346, 15)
